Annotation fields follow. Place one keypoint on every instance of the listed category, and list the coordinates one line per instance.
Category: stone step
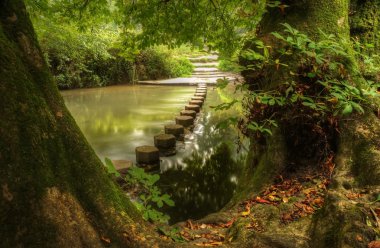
(212, 76)
(206, 58)
(206, 64)
(206, 69)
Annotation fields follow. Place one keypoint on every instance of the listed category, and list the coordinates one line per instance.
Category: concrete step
(207, 64)
(211, 76)
(206, 69)
(206, 72)
(206, 58)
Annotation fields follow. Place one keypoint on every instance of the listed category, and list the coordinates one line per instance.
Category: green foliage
(150, 197)
(172, 233)
(218, 24)
(369, 60)
(82, 59)
(229, 66)
(159, 63)
(316, 85)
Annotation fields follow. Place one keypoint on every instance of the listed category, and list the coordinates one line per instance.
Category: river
(117, 119)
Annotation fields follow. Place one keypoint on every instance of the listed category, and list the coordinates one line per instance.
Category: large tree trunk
(356, 145)
(55, 190)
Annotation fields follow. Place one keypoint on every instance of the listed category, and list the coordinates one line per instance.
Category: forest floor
(280, 216)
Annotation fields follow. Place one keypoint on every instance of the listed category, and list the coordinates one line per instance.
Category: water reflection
(204, 186)
(117, 119)
(202, 176)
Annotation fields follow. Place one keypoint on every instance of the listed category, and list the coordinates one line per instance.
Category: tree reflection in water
(204, 186)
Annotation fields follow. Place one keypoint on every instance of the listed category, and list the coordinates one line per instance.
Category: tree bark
(357, 159)
(55, 190)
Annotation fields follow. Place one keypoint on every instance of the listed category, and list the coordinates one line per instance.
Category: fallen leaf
(285, 200)
(190, 224)
(353, 196)
(59, 114)
(228, 224)
(209, 244)
(247, 210)
(106, 240)
(287, 217)
(359, 238)
(374, 244)
(260, 200)
(203, 226)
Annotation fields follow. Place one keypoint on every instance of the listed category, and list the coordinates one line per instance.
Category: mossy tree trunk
(357, 154)
(55, 191)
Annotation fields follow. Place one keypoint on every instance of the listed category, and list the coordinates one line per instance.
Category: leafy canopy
(220, 24)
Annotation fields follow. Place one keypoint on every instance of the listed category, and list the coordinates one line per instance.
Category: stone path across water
(165, 145)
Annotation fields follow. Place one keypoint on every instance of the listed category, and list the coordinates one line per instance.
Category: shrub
(81, 59)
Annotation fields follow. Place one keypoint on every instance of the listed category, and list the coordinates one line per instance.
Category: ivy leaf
(347, 109)
(111, 167)
(311, 75)
(167, 200)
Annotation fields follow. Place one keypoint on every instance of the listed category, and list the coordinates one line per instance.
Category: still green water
(201, 178)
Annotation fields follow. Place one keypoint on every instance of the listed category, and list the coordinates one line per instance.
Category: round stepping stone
(177, 130)
(184, 120)
(201, 91)
(201, 94)
(191, 113)
(196, 102)
(196, 108)
(147, 155)
(164, 141)
(198, 98)
(122, 166)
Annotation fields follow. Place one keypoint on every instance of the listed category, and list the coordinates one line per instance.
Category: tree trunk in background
(55, 190)
(365, 28)
(357, 159)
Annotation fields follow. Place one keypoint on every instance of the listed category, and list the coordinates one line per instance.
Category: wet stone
(186, 121)
(196, 108)
(196, 102)
(148, 157)
(198, 98)
(191, 113)
(122, 166)
(164, 141)
(201, 91)
(201, 94)
(177, 130)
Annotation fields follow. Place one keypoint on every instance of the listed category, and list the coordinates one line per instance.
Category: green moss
(41, 148)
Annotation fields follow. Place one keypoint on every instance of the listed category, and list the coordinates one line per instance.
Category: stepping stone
(196, 102)
(191, 113)
(196, 108)
(202, 88)
(186, 121)
(148, 157)
(201, 91)
(200, 94)
(166, 143)
(122, 166)
(198, 98)
(177, 130)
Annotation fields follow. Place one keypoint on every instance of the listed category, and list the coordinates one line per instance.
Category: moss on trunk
(357, 160)
(55, 190)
